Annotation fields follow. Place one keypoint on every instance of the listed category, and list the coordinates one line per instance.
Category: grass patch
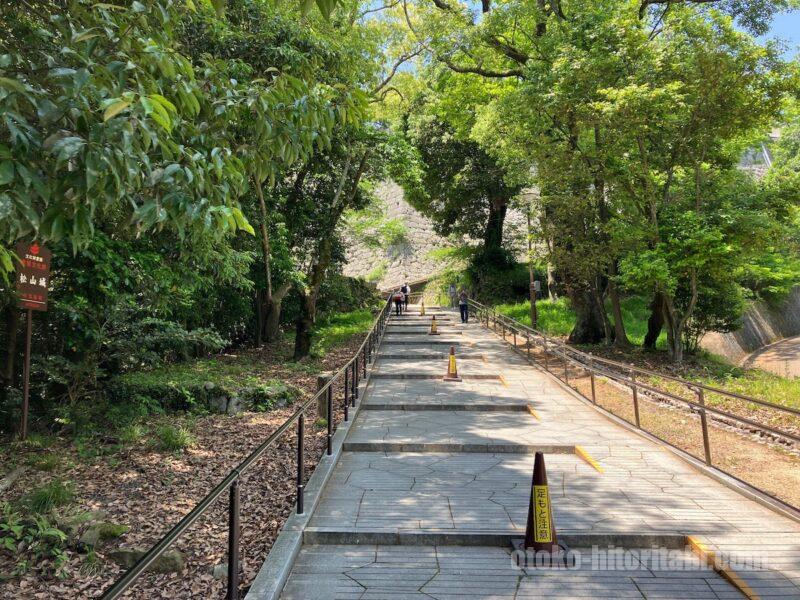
(173, 438)
(45, 462)
(557, 318)
(338, 328)
(47, 497)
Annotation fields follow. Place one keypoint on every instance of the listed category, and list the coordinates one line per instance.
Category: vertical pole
(26, 376)
(233, 541)
(515, 338)
(364, 363)
(329, 398)
(346, 392)
(528, 344)
(354, 381)
(301, 467)
(591, 376)
(566, 366)
(635, 399)
(701, 400)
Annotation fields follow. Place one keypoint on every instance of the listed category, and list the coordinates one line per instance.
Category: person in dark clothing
(463, 305)
(398, 303)
(406, 289)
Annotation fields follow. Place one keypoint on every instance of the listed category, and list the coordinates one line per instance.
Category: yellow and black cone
(422, 309)
(540, 546)
(452, 371)
(434, 330)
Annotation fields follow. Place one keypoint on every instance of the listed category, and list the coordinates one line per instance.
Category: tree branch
(483, 72)
(396, 66)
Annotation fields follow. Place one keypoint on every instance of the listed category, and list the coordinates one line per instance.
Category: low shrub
(173, 438)
(49, 496)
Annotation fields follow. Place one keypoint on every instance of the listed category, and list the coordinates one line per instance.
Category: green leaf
(6, 172)
(12, 84)
(241, 221)
(114, 109)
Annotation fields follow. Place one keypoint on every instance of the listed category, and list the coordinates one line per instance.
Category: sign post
(33, 282)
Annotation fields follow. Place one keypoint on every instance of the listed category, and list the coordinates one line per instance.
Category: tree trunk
(272, 321)
(588, 320)
(12, 325)
(551, 282)
(493, 235)
(305, 325)
(655, 323)
(620, 335)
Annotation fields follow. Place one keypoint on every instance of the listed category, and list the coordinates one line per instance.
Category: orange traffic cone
(452, 371)
(540, 547)
(433, 330)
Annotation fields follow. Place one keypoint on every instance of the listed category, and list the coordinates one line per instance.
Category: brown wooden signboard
(33, 275)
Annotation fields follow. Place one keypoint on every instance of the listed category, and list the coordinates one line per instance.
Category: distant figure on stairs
(451, 291)
(463, 305)
(398, 302)
(406, 289)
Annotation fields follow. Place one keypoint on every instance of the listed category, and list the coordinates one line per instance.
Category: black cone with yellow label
(540, 532)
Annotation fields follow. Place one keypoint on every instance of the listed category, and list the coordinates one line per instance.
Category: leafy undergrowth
(135, 483)
(339, 327)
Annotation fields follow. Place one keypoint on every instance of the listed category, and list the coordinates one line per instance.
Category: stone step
(446, 407)
(476, 448)
(380, 375)
(448, 537)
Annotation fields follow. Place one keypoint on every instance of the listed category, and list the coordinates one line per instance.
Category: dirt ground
(151, 491)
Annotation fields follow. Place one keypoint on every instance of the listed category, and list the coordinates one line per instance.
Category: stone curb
(399, 537)
(455, 448)
(457, 407)
(420, 343)
(430, 376)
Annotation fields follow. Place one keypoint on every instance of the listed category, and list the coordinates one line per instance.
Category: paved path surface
(432, 463)
(781, 358)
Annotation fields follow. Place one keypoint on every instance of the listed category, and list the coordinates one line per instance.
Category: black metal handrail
(351, 373)
(598, 366)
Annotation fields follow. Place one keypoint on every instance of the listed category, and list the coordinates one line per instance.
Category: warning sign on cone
(540, 547)
(452, 370)
(434, 330)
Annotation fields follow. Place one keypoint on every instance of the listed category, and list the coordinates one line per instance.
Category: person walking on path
(406, 289)
(398, 302)
(452, 293)
(463, 305)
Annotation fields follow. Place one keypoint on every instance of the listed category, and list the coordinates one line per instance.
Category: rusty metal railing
(637, 380)
(350, 374)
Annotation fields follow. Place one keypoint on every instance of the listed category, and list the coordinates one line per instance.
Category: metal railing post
(566, 366)
(301, 467)
(233, 541)
(591, 377)
(701, 400)
(354, 381)
(528, 344)
(329, 399)
(635, 399)
(346, 392)
(364, 361)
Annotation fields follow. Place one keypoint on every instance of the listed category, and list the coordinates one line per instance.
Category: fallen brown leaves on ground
(151, 491)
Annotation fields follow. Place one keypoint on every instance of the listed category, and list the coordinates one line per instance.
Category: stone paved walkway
(432, 462)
